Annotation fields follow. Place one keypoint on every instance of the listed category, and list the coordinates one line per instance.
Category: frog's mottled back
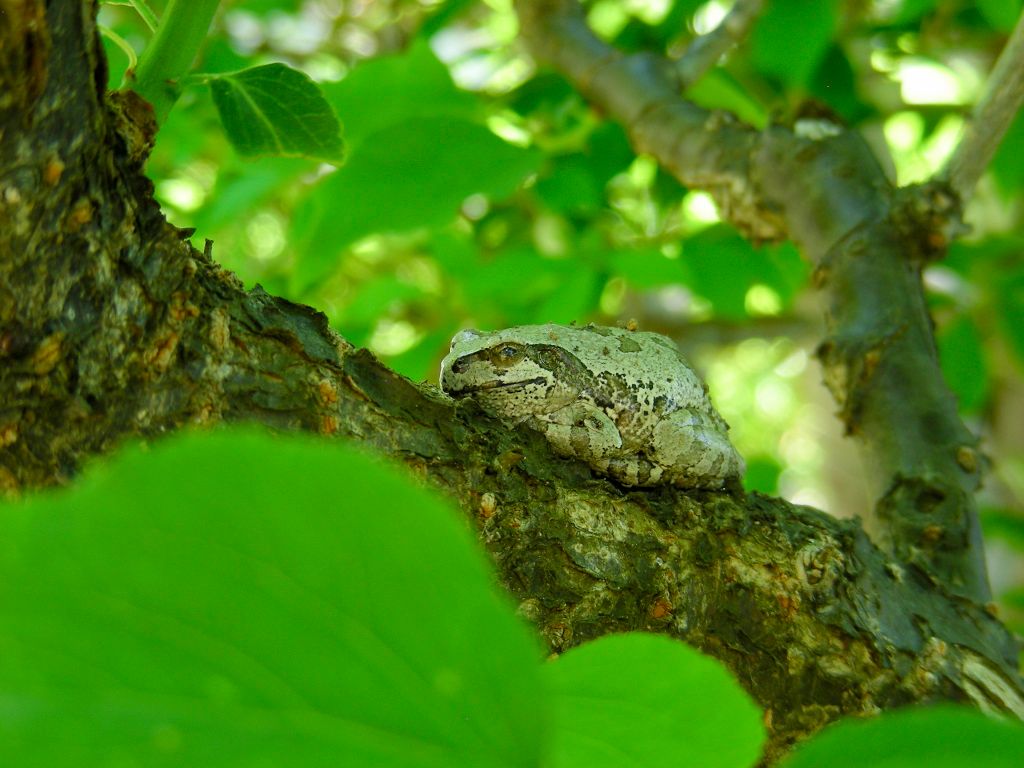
(624, 401)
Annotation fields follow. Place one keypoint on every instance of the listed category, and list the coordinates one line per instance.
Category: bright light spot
(613, 296)
(762, 300)
(809, 497)
(475, 207)
(266, 238)
(940, 145)
(928, 82)
(700, 207)
(675, 299)
(642, 171)
(904, 131)
(608, 18)
(793, 365)
(773, 397)
(550, 235)
(883, 60)
(393, 337)
(799, 449)
(649, 11)
(709, 16)
(245, 31)
(508, 130)
(183, 194)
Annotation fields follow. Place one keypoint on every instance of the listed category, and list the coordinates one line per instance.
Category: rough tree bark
(113, 327)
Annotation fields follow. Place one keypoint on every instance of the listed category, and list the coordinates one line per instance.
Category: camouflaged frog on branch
(625, 402)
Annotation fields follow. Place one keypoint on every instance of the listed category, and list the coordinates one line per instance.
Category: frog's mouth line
(489, 385)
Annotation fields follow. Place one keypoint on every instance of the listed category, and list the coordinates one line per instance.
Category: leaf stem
(170, 54)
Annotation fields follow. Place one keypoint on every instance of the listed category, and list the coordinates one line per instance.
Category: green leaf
(648, 700)
(1000, 14)
(388, 90)
(792, 37)
(943, 737)
(963, 363)
(717, 89)
(276, 110)
(232, 599)
(1008, 164)
(646, 268)
(1010, 298)
(411, 175)
(723, 267)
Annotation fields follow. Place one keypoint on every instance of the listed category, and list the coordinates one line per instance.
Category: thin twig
(993, 114)
(704, 52)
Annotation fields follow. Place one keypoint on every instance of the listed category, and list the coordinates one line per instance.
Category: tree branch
(991, 117)
(706, 51)
(868, 240)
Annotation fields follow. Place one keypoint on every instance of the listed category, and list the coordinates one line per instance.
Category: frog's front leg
(694, 450)
(581, 429)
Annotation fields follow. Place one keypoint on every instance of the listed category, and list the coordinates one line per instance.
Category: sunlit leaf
(276, 110)
(410, 175)
(943, 737)
(648, 700)
(235, 599)
(394, 89)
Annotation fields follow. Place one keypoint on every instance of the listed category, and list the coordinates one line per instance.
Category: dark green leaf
(231, 599)
(1008, 164)
(723, 267)
(963, 363)
(1010, 296)
(1001, 14)
(648, 700)
(276, 110)
(410, 175)
(762, 475)
(791, 39)
(943, 737)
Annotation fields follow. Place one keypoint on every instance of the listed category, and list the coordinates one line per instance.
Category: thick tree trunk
(112, 327)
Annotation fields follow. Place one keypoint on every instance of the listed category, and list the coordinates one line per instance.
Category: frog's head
(514, 373)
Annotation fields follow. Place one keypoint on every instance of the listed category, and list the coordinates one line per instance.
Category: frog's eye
(506, 354)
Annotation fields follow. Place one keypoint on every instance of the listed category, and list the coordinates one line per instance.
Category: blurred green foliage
(481, 190)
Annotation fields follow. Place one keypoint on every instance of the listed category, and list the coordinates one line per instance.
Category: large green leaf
(238, 600)
(410, 175)
(276, 110)
(920, 738)
(637, 700)
(393, 89)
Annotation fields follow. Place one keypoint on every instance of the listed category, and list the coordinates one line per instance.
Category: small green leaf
(648, 700)
(232, 599)
(718, 89)
(943, 737)
(276, 110)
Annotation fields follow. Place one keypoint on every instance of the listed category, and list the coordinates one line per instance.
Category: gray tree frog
(625, 402)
